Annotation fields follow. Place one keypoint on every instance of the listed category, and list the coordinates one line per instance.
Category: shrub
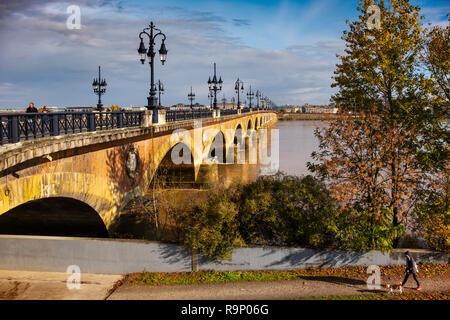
(434, 220)
(212, 230)
(287, 210)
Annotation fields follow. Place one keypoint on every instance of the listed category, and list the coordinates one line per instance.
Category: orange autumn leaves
(369, 163)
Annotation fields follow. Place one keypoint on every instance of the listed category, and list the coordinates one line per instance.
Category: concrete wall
(124, 256)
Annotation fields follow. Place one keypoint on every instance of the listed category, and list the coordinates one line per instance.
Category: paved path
(24, 285)
(27, 285)
(293, 289)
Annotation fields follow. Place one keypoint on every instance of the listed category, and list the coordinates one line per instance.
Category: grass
(207, 277)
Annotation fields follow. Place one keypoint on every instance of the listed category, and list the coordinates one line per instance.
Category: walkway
(24, 285)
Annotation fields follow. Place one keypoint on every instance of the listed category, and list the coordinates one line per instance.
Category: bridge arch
(216, 147)
(249, 124)
(176, 167)
(54, 216)
(98, 192)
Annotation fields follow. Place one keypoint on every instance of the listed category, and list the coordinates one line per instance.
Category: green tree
(435, 55)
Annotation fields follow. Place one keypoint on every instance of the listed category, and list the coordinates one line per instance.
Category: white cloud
(58, 64)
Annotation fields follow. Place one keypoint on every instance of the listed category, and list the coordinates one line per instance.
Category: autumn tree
(370, 157)
(357, 156)
(435, 55)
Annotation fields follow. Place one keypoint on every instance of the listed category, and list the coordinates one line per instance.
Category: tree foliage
(212, 230)
(433, 213)
(274, 210)
(286, 210)
(389, 138)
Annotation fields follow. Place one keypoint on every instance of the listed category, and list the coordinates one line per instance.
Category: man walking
(411, 268)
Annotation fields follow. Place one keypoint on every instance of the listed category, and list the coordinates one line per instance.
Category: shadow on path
(336, 280)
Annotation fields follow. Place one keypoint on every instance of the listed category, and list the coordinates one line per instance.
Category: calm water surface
(297, 142)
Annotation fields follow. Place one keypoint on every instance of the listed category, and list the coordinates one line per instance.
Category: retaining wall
(112, 256)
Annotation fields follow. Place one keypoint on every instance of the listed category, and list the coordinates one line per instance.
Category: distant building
(138, 108)
(312, 109)
(186, 107)
(318, 109)
(79, 109)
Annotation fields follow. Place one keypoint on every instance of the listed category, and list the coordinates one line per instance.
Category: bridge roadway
(107, 167)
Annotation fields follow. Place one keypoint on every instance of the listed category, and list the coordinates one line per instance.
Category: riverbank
(306, 116)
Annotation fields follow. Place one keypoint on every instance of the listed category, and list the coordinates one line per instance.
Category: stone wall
(125, 256)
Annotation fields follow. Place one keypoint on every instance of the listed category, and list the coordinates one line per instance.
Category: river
(297, 142)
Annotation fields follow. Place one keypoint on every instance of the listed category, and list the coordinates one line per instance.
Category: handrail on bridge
(15, 127)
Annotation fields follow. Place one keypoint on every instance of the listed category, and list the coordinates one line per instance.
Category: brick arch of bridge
(100, 193)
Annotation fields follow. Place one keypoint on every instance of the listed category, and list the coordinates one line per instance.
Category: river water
(297, 142)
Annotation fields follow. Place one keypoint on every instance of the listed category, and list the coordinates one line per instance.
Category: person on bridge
(411, 268)
(31, 108)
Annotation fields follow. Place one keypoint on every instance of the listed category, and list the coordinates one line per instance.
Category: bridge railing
(228, 112)
(180, 115)
(15, 127)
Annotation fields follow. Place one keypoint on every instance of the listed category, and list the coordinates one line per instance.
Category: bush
(212, 230)
(434, 220)
(360, 230)
(277, 210)
(287, 210)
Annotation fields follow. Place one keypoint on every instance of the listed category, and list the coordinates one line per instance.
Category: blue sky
(284, 48)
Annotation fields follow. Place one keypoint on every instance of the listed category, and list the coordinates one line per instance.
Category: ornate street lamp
(210, 97)
(224, 101)
(99, 86)
(250, 96)
(258, 96)
(239, 88)
(151, 100)
(214, 87)
(160, 92)
(191, 97)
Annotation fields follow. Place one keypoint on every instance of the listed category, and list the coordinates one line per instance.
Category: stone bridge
(104, 169)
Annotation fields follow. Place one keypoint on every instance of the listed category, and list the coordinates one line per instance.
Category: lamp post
(239, 88)
(261, 97)
(99, 86)
(258, 96)
(210, 96)
(250, 96)
(214, 87)
(224, 101)
(160, 91)
(233, 101)
(151, 100)
(191, 97)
